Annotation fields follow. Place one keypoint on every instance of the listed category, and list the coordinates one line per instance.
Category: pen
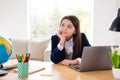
(17, 57)
(23, 57)
(29, 56)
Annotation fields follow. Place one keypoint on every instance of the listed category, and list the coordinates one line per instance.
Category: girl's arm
(56, 54)
(67, 62)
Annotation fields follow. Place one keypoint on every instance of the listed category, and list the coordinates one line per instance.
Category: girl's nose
(65, 28)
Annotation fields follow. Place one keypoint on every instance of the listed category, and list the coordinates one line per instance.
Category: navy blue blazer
(57, 55)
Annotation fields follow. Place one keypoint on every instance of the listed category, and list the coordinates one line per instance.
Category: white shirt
(69, 49)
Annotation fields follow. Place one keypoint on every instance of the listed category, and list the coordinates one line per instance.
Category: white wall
(104, 13)
(118, 3)
(13, 18)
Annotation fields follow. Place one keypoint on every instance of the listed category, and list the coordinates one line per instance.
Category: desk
(60, 72)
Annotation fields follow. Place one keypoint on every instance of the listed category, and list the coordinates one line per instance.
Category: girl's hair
(77, 36)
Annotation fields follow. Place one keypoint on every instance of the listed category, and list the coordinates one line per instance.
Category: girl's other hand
(62, 38)
(66, 62)
(59, 34)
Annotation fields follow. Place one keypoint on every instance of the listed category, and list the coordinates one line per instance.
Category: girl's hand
(62, 37)
(67, 62)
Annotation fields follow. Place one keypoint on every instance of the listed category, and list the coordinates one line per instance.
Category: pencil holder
(23, 69)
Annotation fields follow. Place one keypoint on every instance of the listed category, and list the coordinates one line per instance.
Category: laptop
(94, 58)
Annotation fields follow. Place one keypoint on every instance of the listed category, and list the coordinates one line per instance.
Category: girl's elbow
(54, 61)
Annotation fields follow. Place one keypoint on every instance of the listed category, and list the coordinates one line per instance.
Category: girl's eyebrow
(70, 24)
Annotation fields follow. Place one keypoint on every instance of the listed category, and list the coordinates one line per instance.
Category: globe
(5, 50)
(5, 53)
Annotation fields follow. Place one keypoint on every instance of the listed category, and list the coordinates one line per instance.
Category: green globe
(5, 50)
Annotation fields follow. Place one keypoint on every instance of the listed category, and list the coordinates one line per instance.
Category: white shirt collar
(70, 40)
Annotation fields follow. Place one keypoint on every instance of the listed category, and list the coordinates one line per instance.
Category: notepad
(7, 67)
(33, 67)
(47, 74)
(32, 70)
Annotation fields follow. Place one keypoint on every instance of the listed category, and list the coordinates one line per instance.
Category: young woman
(68, 44)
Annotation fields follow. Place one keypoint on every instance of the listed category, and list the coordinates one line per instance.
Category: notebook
(33, 67)
(94, 58)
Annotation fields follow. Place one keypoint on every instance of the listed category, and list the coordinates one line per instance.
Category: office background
(14, 20)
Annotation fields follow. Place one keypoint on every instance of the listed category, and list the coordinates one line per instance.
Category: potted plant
(115, 58)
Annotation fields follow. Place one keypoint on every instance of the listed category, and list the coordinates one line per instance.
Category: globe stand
(2, 72)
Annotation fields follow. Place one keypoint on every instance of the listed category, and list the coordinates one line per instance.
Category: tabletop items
(23, 64)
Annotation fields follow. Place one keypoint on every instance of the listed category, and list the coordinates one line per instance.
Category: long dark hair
(77, 36)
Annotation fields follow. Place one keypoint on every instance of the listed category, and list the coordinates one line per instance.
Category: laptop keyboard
(77, 67)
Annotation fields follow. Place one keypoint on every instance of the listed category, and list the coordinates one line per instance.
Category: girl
(68, 44)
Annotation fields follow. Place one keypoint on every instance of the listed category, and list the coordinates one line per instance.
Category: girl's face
(67, 29)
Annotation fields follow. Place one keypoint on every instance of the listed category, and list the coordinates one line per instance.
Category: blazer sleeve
(56, 55)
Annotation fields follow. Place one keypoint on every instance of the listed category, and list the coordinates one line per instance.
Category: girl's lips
(64, 32)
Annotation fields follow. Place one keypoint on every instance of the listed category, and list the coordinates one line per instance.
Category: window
(46, 15)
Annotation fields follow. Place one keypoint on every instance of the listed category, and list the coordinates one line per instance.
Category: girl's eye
(69, 26)
(62, 25)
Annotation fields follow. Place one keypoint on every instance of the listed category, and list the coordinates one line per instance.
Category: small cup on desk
(23, 65)
(23, 69)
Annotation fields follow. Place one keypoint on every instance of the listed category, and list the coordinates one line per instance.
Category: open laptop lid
(95, 58)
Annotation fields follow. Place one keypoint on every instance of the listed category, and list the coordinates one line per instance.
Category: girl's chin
(64, 35)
